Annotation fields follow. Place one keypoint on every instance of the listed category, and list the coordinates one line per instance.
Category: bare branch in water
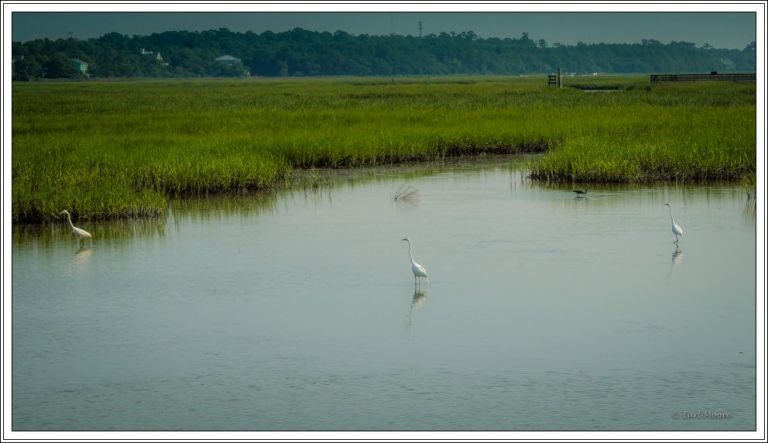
(406, 195)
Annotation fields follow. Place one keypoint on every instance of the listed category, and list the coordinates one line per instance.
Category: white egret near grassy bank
(80, 233)
(676, 229)
(418, 270)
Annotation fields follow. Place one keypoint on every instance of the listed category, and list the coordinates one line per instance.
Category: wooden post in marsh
(555, 80)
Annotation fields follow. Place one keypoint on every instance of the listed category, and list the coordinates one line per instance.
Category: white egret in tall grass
(676, 229)
(418, 270)
(80, 233)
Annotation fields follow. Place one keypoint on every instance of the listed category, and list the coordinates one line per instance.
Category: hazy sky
(719, 29)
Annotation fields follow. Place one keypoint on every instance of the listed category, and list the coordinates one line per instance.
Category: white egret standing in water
(676, 229)
(418, 270)
(80, 233)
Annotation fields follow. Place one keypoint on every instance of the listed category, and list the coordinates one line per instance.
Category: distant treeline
(308, 53)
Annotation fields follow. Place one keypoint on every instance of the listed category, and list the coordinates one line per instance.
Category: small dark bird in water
(581, 192)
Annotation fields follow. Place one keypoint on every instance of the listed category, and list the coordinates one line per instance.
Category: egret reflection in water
(418, 300)
(677, 259)
(81, 255)
(677, 256)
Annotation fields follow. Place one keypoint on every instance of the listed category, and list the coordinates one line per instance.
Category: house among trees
(302, 52)
(80, 66)
(157, 57)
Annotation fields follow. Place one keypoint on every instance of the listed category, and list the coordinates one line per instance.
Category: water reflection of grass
(318, 184)
(317, 187)
(750, 210)
(112, 149)
(120, 229)
(721, 190)
(652, 195)
(224, 205)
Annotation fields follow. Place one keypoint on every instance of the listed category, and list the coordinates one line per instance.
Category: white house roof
(227, 58)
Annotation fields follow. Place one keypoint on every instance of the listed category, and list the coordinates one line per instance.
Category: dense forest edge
(299, 52)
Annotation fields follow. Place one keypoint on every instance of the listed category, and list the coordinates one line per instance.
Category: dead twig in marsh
(406, 194)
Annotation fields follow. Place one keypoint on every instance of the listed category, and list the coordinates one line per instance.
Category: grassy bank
(117, 149)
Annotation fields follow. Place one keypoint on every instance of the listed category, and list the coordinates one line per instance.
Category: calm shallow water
(299, 312)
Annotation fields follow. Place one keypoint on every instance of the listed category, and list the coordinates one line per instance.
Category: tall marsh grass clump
(122, 149)
(680, 132)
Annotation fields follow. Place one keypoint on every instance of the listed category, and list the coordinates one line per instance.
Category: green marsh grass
(122, 148)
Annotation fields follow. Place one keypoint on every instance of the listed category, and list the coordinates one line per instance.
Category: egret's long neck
(670, 214)
(409, 252)
(69, 221)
